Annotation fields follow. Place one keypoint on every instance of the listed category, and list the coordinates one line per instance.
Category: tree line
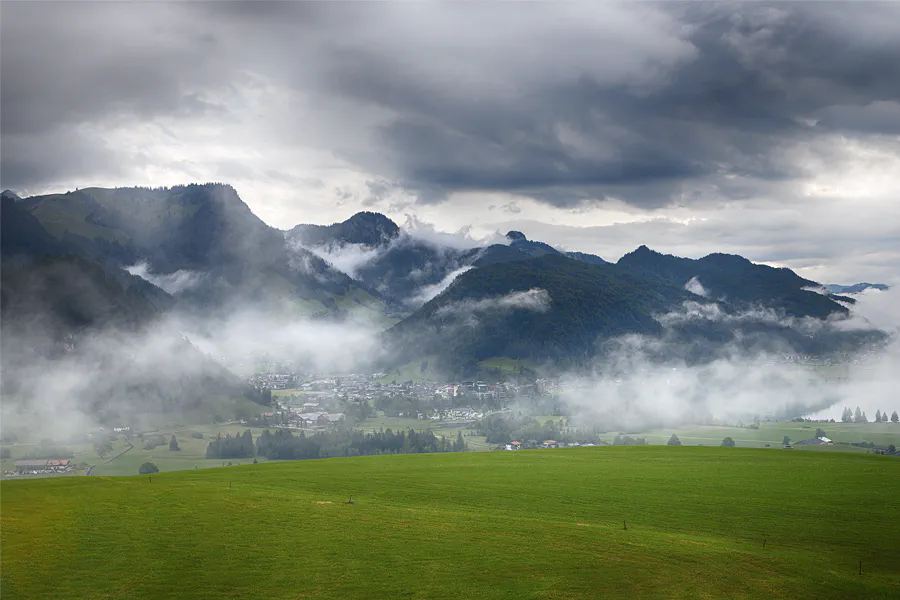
(501, 428)
(849, 416)
(283, 444)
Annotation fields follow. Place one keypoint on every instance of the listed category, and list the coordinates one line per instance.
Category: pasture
(773, 432)
(701, 523)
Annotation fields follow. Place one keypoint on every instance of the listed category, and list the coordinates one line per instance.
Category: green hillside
(584, 302)
(701, 523)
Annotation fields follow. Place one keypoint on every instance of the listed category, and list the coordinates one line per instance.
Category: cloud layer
(766, 130)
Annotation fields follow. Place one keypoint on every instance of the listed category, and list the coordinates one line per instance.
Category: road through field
(119, 455)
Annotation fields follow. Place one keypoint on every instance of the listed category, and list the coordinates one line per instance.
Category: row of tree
(282, 444)
(849, 416)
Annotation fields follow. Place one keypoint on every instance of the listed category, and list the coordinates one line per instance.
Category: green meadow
(773, 432)
(701, 523)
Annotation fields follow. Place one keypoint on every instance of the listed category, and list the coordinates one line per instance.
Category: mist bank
(643, 383)
(161, 301)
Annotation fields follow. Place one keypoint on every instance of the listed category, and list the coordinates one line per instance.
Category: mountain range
(199, 249)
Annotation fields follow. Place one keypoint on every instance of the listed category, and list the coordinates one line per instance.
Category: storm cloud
(559, 110)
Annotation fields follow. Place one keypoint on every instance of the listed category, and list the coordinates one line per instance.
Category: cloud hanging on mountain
(536, 300)
(428, 292)
(645, 382)
(172, 283)
(695, 287)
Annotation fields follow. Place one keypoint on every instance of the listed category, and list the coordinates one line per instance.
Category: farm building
(819, 441)
(30, 466)
(41, 464)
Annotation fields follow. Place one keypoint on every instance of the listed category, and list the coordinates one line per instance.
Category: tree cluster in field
(283, 444)
(627, 440)
(231, 446)
(501, 428)
(103, 447)
(849, 416)
(151, 442)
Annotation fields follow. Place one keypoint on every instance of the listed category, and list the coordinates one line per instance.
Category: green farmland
(701, 523)
(773, 433)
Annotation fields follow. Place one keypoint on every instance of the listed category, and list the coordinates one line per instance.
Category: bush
(728, 442)
(196, 435)
(148, 468)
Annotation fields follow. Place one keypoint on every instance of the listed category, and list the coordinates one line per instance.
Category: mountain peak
(11, 195)
(516, 236)
(368, 228)
(375, 222)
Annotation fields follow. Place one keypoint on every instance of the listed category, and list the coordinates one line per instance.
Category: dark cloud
(652, 104)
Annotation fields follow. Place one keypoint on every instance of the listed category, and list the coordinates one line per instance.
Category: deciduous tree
(147, 468)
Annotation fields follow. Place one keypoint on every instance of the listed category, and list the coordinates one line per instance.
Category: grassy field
(773, 433)
(191, 456)
(540, 524)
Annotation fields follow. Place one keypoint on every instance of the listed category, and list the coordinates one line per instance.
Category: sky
(770, 131)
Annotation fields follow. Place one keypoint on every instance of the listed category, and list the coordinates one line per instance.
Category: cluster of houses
(358, 387)
(42, 466)
(273, 381)
(460, 415)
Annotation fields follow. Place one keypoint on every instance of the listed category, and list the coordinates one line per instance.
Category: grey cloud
(29, 163)
(567, 104)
